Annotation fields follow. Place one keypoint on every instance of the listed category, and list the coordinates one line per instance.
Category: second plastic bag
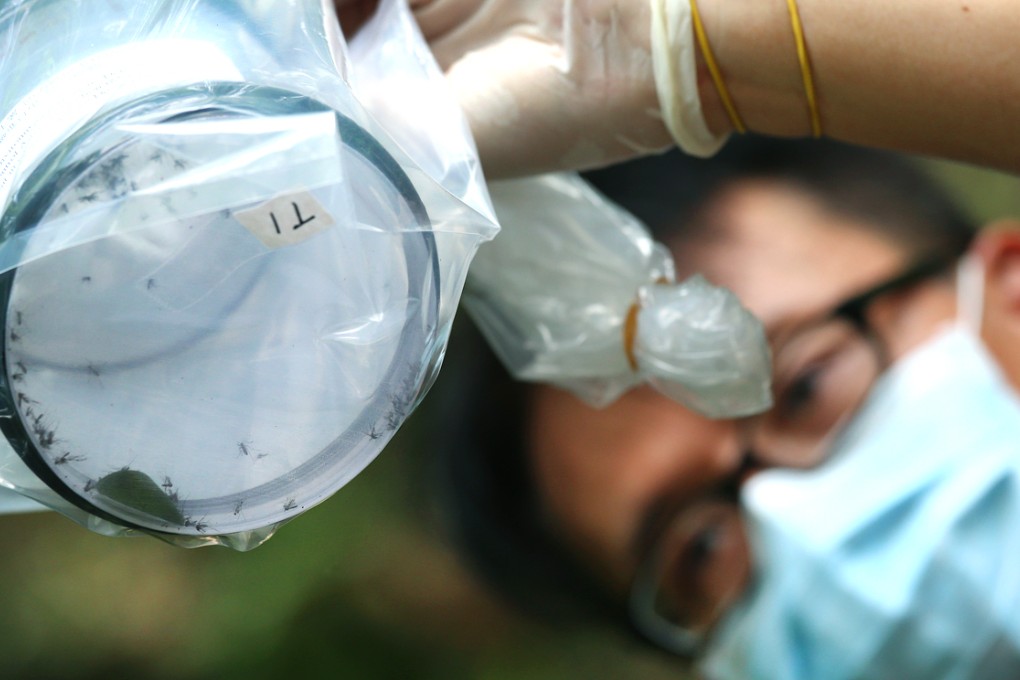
(575, 292)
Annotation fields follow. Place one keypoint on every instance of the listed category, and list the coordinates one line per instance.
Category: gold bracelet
(713, 69)
(805, 68)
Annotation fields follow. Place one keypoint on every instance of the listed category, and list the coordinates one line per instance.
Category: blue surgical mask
(899, 558)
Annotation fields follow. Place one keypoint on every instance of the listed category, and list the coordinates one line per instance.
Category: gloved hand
(569, 84)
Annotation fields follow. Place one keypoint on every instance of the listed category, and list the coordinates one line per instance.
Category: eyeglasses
(698, 564)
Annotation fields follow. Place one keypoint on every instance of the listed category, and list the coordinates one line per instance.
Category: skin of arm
(934, 77)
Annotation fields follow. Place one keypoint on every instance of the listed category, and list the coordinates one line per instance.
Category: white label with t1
(68, 99)
(286, 220)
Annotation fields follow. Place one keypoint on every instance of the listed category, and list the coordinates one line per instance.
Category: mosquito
(20, 375)
(47, 438)
(25, 399)
(199, 525)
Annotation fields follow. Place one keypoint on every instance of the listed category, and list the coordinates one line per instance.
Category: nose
(766, 444)
(719, 444)
(735, 452)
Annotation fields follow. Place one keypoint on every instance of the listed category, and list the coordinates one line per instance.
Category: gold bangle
(713, 69)
(805, 68)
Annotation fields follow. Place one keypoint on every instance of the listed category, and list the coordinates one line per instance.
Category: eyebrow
(924, 268)
(668, 504)
(852, 308)
(659, 512)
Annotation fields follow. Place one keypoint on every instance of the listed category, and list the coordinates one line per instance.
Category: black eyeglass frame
(855, 308)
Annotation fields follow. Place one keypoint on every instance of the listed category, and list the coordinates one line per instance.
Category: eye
(805, 366)
(703, 566)
(801, 393)
(821, 376)
(701, 548)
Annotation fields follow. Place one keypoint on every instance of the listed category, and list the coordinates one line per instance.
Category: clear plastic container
(224, 283)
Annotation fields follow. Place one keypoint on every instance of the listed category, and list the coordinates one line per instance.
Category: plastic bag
(599, 310)
(232, 248)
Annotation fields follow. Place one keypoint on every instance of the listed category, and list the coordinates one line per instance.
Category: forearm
(927, 76)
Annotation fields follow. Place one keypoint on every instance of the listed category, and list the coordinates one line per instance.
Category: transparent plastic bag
(230, 255)
(575, 292)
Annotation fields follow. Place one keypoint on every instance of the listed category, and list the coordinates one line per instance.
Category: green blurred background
(362, 586)
(359, 587)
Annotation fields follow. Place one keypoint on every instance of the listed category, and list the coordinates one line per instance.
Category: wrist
(674, 47)
(755, 49)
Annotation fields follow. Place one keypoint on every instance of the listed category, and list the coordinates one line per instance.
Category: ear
(998, 246)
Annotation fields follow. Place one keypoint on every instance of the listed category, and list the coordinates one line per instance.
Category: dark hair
(489, 505)
(888, 192)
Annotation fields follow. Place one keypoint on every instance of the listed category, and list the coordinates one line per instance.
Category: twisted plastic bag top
(576, 293)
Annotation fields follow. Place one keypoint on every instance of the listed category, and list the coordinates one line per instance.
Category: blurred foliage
(359, 587)
(987, 194)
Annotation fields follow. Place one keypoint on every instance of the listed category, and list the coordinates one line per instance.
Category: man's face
(606, 475)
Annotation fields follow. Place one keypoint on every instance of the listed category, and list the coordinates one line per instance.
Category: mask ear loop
(970, 293)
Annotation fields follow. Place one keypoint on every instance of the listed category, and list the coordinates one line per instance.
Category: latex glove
(549, 84)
